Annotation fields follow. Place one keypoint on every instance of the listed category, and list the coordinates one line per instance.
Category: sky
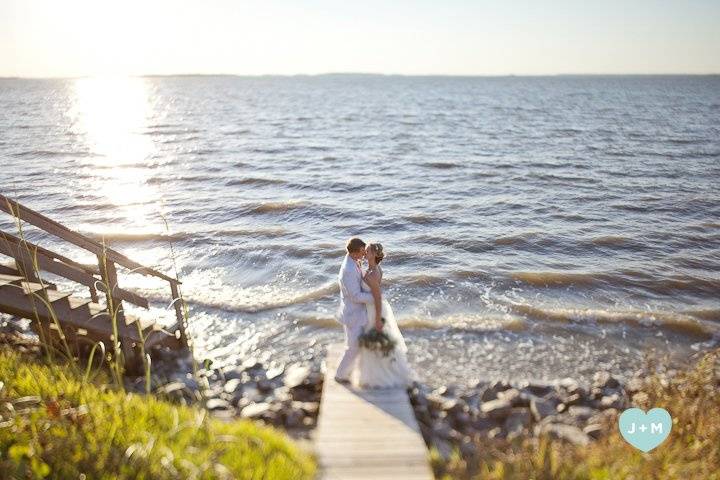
(71, 38)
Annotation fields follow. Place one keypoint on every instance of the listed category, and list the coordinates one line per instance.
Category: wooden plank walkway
(367, 434)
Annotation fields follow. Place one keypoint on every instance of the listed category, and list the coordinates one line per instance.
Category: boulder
(496, 409)
(294, 418)
(581, 413)
(256, 410)
(518, 420)
(594, 431)
(537, 389)
(491, 392)
(511, 395)
(264, 385)
(612, 401)
(275, 372)
(604, 379)
(564, 432)
(217, 404)
(310, 408)
(541, 408)
(634, 385)
(232, 386)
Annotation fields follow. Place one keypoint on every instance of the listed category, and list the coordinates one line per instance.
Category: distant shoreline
(365, 75)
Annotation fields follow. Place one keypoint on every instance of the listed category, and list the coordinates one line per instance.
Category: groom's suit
(352, 313)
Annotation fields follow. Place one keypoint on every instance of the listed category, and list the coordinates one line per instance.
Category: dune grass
(57, 424)
(692, 451)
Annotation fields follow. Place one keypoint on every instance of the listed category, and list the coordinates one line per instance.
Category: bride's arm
(374, 283)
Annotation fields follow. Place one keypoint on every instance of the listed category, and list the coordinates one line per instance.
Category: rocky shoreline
(459, 418)
(450, 417)
(287, 397)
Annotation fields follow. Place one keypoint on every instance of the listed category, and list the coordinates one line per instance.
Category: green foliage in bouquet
(377, 341)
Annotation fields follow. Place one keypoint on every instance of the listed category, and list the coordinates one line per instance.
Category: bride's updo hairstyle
(377, 249)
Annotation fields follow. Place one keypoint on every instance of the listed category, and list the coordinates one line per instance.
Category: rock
(472, 400)
(634, 385)
(568, 384)
(594, 430)
(435, 401)
(496, 409)
(311, 408)
(461, 421)
(640, 399)
(217, 404)
(567, 433)
(612, 401)
(483, 424)
(233, 373)
(178, 391)
(490, 393)
(264, 385)
(511, 395)
(518, 420)
(294, 418)
(496, 432)
(541, 408)
(251, 363)
(275, 372)
(256, 410)
(605, 380)
(232, 385)
(296, 375)
(442, 430)
(536, 388)
(574, 399)
(581, 413)
(446, 391)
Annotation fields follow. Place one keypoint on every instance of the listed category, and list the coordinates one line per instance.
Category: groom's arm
(351, 285)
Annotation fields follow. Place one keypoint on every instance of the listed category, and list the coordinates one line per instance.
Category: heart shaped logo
(645, 431)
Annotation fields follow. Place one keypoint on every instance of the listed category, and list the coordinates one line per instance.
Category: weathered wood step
(76, 302)
(8, 267)
(9, 279)
(32, 287)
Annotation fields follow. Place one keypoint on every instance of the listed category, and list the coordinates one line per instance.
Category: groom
(353, 314)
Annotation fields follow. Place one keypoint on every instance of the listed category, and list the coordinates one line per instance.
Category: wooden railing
(28, 255)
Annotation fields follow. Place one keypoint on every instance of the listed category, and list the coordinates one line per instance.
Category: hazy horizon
(368, 74)
(81, 38)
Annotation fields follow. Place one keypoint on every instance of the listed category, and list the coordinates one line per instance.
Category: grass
(79, 428)
(692, 451)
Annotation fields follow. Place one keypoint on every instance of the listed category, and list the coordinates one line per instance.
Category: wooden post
(93, 294)
(177, 301)
(109, 276)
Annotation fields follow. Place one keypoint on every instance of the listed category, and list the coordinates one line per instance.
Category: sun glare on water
(111, 115)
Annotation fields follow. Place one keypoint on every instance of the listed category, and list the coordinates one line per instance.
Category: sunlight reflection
(111, 114)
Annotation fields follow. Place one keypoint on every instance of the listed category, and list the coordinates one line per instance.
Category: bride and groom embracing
(375, 351)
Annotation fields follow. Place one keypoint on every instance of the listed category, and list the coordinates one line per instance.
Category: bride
(374, 369)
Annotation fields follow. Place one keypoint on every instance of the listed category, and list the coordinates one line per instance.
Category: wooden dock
(367, 434)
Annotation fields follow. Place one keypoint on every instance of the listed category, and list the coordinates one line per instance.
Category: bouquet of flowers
(377, 341)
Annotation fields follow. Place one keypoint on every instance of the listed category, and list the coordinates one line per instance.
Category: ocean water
(534, 227)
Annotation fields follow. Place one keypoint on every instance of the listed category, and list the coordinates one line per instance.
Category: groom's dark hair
(354, 244)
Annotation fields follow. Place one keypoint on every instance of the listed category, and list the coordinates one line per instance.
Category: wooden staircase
(79, 322)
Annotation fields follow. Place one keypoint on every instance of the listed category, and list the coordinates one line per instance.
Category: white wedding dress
(376, 370)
